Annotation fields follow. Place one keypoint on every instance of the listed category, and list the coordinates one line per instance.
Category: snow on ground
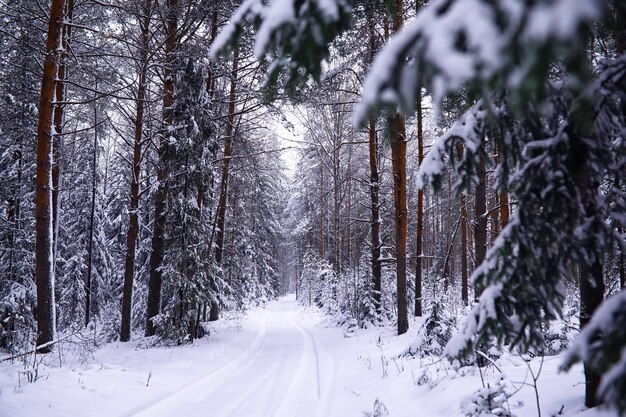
(281, 361)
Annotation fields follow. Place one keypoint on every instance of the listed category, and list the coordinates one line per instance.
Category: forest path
(285, 372)
(275, 362)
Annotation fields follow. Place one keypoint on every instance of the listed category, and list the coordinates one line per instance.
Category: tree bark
(375, 220)
(480, 221)
(210, 80)
(620, 43)
(397, 132)
(336, 202)
(620, 26)
(59, 121)
(622, 270)
(44, 270)
(133, 221)
(160, 203)
(464, 278)
(322, 210)
(228, 151)
(88, 280)
(503, 196)
(14, 213)
(349, 225)
(420, 215)
(398, 160)
(591, 296)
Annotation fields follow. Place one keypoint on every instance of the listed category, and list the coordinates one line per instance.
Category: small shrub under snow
(490, 401)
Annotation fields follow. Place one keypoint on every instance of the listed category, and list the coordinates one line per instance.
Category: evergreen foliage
(434, 333)
(295, 33)
(557, 129)
(601, 344)
(489, 401)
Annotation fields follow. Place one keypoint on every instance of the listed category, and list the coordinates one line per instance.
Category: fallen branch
(38, 348)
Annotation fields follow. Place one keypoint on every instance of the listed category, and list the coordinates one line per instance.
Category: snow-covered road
(283, 373)
(280, 360)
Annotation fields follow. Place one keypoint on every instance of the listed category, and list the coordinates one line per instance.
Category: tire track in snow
(290, 390)
(303, 393)
(263, 388)
(204, 385)
(325, 372)
(258, 386)
(285, 372)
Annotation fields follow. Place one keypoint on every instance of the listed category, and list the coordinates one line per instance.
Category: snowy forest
(314, 208)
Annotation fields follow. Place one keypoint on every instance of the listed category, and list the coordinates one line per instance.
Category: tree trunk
(375, 220)
(464, 286)
(420, 215)
(397, 132)
(133, 222)
(44, 271)
(160, 203)
(322, 209)
(13, 215)
(228, 151)
(59, 121)
(504, 209)
(349, 225)
(591, 296)
(374, 183)
(336, 202)
(398, 158)
(620, 26)
(480, 221)
(620, 42)
(622, 270)
(210, 80)
(88, 280)
(502, 196)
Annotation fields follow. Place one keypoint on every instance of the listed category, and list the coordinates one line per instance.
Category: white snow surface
(281, 361)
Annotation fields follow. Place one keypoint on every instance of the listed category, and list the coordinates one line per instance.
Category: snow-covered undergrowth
(117, 379)
(287, 360)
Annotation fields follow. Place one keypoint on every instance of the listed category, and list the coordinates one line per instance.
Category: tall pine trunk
(59, 121)
(375, 219)
(420, 215)
(349, 225)
(44, 270)
(464, 278)
(228, 151)
(336, 203)
(92, 215)
(480, 221)
(591, 296)
(133, 226)
(322, 210)
(397, 133)
(160, 201)
(374, 183)
(620, 28)
(620, 43)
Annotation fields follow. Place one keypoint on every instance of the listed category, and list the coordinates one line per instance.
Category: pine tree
(138, 139)
(44, 270)
(563, 138)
